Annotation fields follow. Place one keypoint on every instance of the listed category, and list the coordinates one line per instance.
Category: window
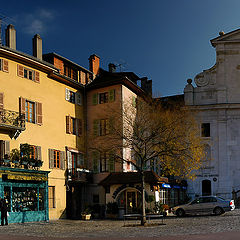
(73, 97)
(77, 160)
(103, 162)
(51, 197)
(74, 126)
(4, 148)
(3, 65)
(205, 129)
(56, 159)
(30, 111)
(28, 73)
(33, 154)
(101, 127)
(103, 97)
(70, 72)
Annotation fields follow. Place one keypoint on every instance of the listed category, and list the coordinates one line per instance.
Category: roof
(106, 78)
(65, 59)
(24, 55)
(227, 37)
(132, 177)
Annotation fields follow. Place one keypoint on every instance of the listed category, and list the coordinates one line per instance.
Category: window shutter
(111, 94)
(83, 77)
(111, 162)
(1, 64)
(7, 147)
(79, 127)
(20, 71)
(107, 126)
(39, 113)
(5, 65)
(39, 152)
(1, 101)
(51, 158)
(78, 99)
(69, 159)
(96, 126)
(95, 163)
(22, 106)
(37, 77)
(67, 94)
(68, 124)
(134, 101)
(95, 99)
(62, 160)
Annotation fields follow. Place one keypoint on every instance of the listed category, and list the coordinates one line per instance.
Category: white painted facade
(216, 100)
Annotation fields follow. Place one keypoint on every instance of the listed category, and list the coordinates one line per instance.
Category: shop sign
(23, 177)
(165, 185)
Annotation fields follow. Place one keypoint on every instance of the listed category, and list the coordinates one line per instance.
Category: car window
(195, 201)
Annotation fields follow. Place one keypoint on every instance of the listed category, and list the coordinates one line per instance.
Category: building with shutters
(53, 105)
(42, 106)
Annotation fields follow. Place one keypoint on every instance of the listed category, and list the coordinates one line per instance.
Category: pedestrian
(3, 206)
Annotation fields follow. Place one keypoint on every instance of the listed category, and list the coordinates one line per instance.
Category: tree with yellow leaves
(151, 131)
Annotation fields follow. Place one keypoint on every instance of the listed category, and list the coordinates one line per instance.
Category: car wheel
(180, 213)
(218, 211)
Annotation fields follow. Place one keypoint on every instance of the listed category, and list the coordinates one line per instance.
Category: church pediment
(231, 37)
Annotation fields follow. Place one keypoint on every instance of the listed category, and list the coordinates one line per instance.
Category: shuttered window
(103, 97)
(101, 127)
(28, 73)
(1, 102)
(74, 126)
(56, 159)
(4, 148)
(51, 196)
(4, 65)
(31, 111)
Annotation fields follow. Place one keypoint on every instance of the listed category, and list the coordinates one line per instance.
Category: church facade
(216, 102)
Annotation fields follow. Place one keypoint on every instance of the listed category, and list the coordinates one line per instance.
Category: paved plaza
(109, 229)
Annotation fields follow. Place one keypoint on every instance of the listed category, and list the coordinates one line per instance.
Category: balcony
(12, 121)
(78, 175)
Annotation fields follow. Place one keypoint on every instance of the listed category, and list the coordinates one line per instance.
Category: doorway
(206, 188)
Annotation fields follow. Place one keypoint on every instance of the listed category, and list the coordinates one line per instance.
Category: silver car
(205, 204)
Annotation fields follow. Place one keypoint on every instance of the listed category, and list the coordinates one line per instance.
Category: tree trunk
(143, 220)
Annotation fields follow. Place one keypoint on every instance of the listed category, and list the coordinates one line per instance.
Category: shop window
(205, 130)
(24, 199)
(51, 196)
(41, 199)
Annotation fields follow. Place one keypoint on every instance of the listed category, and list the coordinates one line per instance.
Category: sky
(167, 41)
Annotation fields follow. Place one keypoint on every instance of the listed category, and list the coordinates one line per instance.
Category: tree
(151, 131)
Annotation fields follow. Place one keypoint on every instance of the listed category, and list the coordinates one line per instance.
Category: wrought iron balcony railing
(76, 174)
(11, 119)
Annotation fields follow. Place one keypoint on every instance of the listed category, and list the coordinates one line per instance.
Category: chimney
(94, 62)
(146, 85)
(112, 67)
(37, 46)
(10, 33)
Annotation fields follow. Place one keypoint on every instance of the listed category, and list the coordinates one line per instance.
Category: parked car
(205, 204)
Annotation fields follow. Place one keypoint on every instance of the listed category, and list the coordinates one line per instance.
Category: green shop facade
(26, 193)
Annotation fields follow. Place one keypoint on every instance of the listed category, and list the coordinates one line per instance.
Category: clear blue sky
(165, 40)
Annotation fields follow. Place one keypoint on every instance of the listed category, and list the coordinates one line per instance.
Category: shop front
(26, 193)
